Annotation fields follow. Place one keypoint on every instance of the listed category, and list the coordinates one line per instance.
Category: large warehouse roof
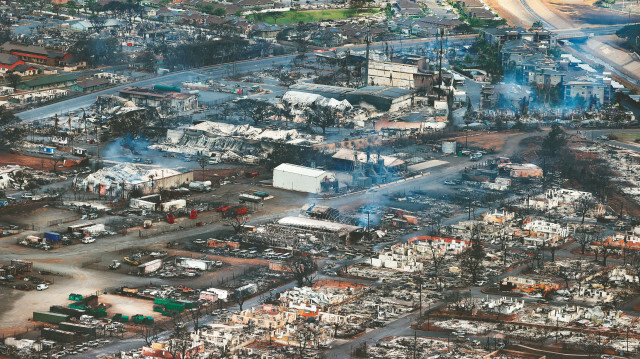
(301, 170)
(304, 222)
(382, 91)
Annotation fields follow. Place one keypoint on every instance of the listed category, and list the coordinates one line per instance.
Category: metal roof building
(337, 92)
(382, 97)
(300, 178)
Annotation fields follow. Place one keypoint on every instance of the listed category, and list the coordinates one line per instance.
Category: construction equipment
(131, 261)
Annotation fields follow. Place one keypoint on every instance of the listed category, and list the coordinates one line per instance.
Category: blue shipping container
(46, 150)
(52, 236)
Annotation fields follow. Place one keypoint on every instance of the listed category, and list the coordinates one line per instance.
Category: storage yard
(432, 179)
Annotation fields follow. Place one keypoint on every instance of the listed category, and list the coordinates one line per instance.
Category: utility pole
(366, 68)
(441, 31)
(368, 214)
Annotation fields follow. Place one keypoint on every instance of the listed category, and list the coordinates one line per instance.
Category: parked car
(42, 286)
(88, 240)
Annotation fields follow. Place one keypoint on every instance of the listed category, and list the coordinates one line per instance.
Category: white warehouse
(302, 179)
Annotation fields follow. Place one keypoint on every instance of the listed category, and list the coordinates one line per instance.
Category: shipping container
(262, 194)
(175, 306)
(71, 312)
(165, 88)
(244, 197)
(48, 317)
(78, 328)
(161, 301)
(53, 236)
(193, 263)
(77, 228)
(58, 335)
(222, 294)
(187, 303)
(208, 296)
(74, 296)
(47, 150)
(248, 289)
(150, 267)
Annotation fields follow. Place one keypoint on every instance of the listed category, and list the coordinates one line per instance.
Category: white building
(547, 231)
(300, 178)
(411, 256)
(557, 197)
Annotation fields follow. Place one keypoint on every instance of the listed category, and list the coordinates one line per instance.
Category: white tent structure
(300, 178)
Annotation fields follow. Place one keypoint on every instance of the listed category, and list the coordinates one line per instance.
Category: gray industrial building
(384, 98)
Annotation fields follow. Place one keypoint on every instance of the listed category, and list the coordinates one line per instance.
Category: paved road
(565, 29)
(594, 134)
(215, 72)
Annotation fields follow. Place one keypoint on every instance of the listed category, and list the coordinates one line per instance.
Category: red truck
(222, 209)
(234, 212)
(171, 218)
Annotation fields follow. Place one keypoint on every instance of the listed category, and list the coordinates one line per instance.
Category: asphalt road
(215, 72)
(553, 22)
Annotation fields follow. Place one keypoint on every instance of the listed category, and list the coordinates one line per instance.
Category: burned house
(164, 100)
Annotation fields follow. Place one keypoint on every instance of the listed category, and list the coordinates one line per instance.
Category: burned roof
(7, 59)
(382, 91)
(93, 82)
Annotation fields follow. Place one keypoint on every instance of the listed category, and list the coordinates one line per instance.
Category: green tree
(13, 79)
(11, 136)
(257, 110)
(321, 116)
(554, 141)
(276, 15)
(219, 11)
(471, 261)
(148, 61)
(72, 7)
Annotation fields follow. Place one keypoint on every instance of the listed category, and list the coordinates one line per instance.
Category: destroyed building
(405, 76)
(123, 178)
(230, 142)
(171, 100)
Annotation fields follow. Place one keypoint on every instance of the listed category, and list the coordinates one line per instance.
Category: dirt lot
(513, 11)
(561, 14)
(487, 141)
(38, 163)
(38, 217)
(584, 12)
(127, 305)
